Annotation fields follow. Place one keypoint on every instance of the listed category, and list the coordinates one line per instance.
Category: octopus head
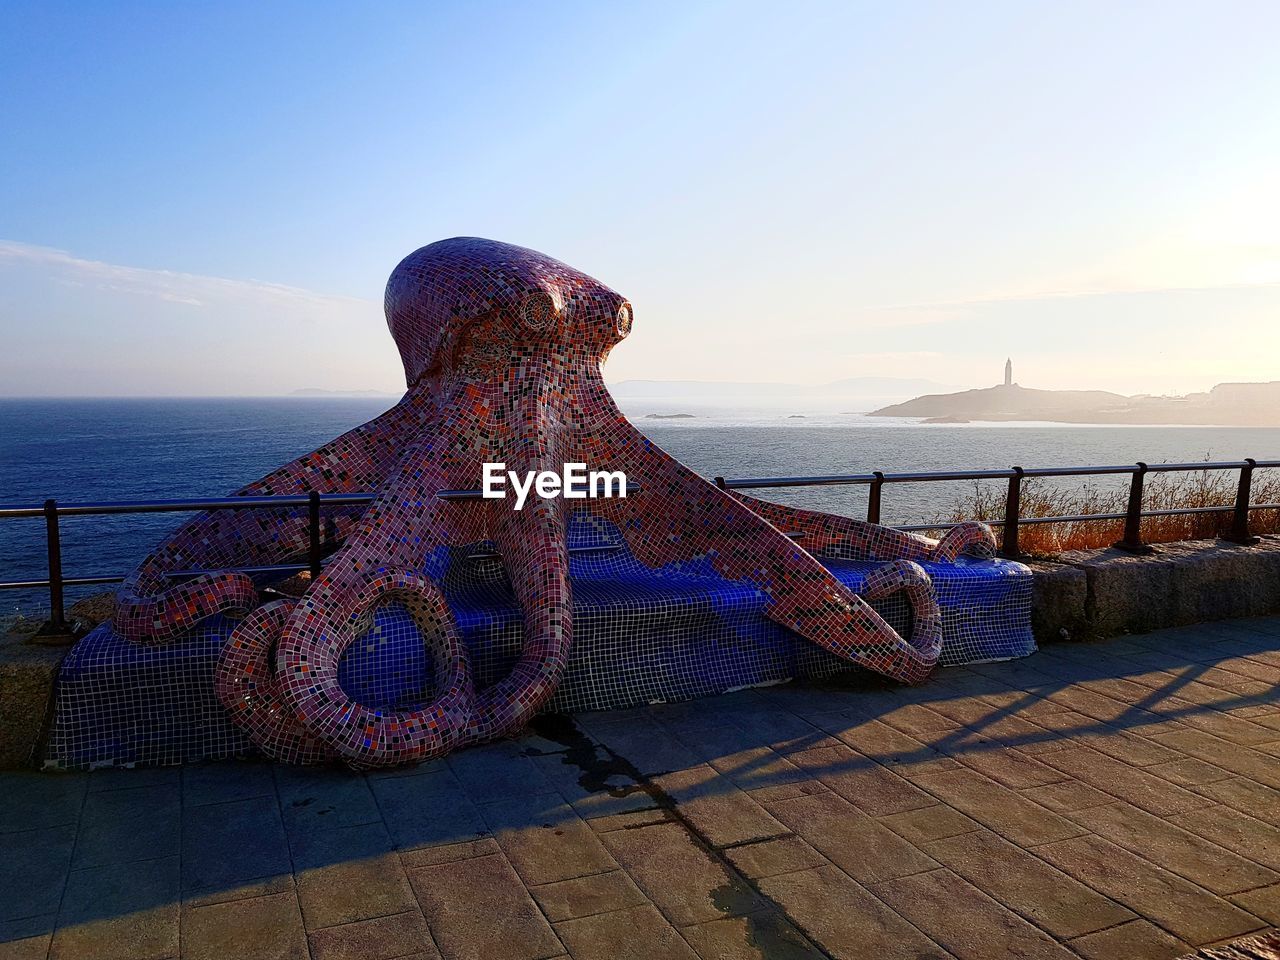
(466, 301)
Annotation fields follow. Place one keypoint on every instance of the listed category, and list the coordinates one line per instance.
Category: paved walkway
(1118, 799)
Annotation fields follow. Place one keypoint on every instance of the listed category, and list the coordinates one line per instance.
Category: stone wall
(1085, 594)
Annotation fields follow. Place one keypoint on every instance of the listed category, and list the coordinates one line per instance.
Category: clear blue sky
(207, 198)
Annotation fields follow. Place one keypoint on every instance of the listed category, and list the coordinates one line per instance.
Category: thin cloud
(174, 287)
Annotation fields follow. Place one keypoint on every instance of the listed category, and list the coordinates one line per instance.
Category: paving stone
(448, 852)
(1263, 903)
(123, 911)
(322, 798)
(918, 721)
(1008, 766)
(788, 791)
(1241, 761)
(639, 933)
(226, 780)
(772, 857)
(34, 870)
(1255, 799)
(36, 800)
(929, 823)
(1135, 940)
(645, 745)
(591, 793)
(997, 807)
(1097, 705)
(965, 921)
(630, 821)
(130, 778)
(264, 928)
(1068, 795)
(717, 809)
(1189, 772)
(1133, 784)
(496, 771)
(427, 810)
(756, 768)
(350, 873)
(764, 935)
(872, 788)
(544, 838)
(380, 938)
(1179, 906)
(478, 909)
(1026, 884)
(681, 878)
(226, 844)
(1173, 848)
(585, 896)
(1239, 832)
(260, 887)
(844, 919)
(900, 752)
(26, 939)
(846, 836)
(1030, 738)
(117, 826)
(1233, 729)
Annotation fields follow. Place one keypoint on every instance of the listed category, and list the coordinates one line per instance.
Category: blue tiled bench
(639, 636)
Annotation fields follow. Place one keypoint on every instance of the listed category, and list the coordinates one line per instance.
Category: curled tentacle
(307, 668)
(970, 537)
(245, 683)
(926, 618)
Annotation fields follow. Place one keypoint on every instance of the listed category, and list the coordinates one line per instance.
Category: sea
(79, 450)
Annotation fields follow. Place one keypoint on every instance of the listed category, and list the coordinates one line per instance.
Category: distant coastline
(1226, 405)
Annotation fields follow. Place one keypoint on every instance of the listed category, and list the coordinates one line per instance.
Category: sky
(207, 199)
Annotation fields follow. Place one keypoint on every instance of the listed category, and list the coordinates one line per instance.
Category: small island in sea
(1227, 404)
(669, 416)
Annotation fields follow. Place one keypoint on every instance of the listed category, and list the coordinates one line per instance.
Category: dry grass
(1163, 491)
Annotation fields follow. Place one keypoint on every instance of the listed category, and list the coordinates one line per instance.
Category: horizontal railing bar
(67, 581)
(184, 506)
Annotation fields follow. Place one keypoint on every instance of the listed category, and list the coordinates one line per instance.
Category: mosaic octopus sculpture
(502, 349)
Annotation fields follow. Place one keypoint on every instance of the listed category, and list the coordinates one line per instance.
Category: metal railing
(52, 511)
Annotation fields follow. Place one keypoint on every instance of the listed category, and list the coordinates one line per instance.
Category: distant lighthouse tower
(1008, 372)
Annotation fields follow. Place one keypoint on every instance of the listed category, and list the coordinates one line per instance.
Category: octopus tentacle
(741, 545)
(152, 609)
(829, 535)
(246, 686)
(533, 545)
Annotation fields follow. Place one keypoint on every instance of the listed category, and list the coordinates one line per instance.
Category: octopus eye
(538, 312)
(623, 321)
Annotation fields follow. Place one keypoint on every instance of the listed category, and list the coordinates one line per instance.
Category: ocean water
(124, 449)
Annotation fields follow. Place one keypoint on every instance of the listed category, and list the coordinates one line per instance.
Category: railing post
(1240, 518)
(873, 497)
(313, 533)
(1012, 514)
(1132, 541)
(53, 540)
(720, 482)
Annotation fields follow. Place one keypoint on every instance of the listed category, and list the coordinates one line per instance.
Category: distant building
(1008, 372)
